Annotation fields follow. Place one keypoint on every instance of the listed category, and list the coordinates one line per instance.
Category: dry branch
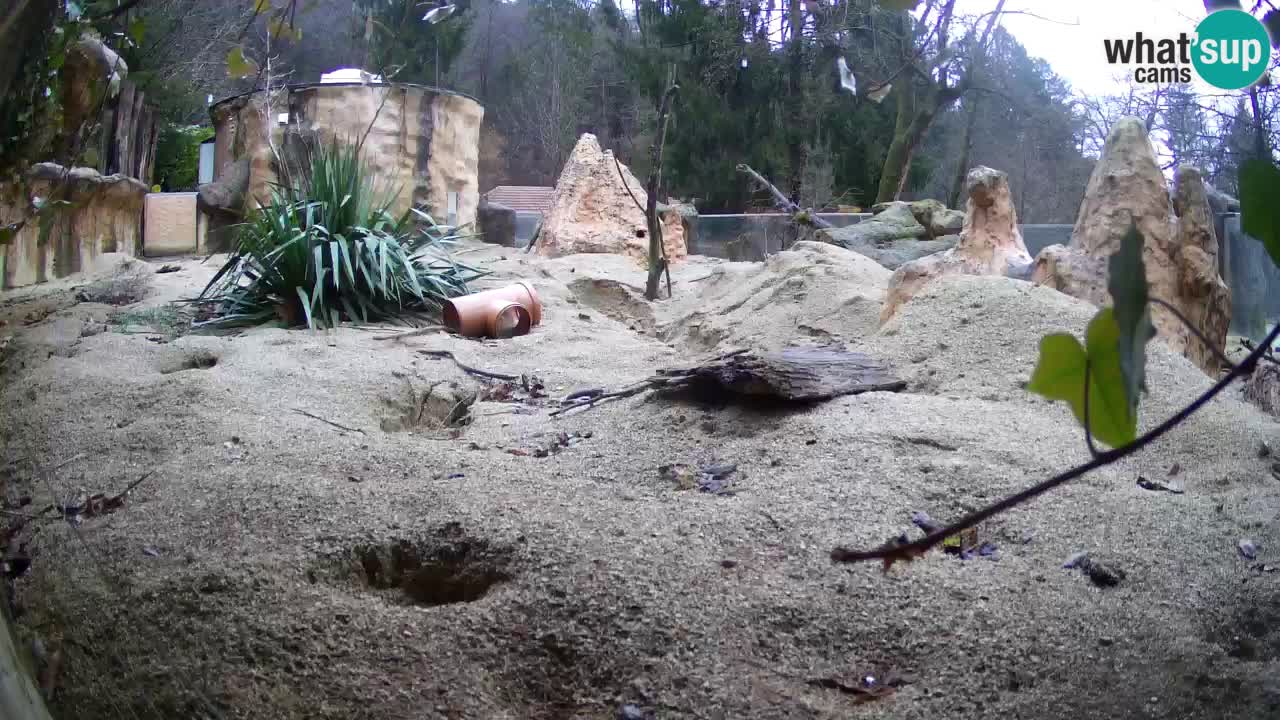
(798, 214)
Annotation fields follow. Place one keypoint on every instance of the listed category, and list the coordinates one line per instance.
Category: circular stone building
(423, 141)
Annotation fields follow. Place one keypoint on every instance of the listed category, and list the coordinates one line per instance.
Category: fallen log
(796, 374)
(798, 214)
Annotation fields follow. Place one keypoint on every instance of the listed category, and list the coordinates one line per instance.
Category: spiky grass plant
(328, 247)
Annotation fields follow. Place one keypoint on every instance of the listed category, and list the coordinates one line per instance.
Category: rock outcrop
(223, 202)
(937, 220)
(88, 72)
(1181, 248)
(989, 244)
(895, 221)
(892, 254)
(104, 215)
(496, 224)
(597, 209)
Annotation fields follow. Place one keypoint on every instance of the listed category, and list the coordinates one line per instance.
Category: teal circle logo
(1232, 49)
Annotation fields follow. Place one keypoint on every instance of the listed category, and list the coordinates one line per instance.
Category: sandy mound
(276, 565)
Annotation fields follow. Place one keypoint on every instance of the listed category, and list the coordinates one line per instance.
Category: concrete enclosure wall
(172, 225)
(104, 214)
(424, 142)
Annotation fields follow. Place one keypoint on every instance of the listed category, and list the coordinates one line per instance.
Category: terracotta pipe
(460, 313)
(478, 314)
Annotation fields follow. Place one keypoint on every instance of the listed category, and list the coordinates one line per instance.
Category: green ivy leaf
(262, 7)
(7, 234)
(1060, 375)
(281, 28)
(238, 66)
(1127, 283)
(137, 31)
(1259, 210)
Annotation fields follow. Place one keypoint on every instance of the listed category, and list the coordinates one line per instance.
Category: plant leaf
(137, 31)
(1113, 414)
(1259, 209)
(238, 66)
(1060, 375)
(899, 4)
(1127, 283)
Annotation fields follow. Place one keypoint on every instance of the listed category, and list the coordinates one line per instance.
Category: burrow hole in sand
(192, 361)
(450, 566)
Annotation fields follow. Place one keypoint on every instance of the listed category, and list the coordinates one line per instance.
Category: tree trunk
(897, 163)
(966, 147)
(796, 105)
(25, 29)
(898, 155)
(657, 251)
(1259, 132)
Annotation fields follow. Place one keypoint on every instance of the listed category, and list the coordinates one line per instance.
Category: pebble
(1247, 549)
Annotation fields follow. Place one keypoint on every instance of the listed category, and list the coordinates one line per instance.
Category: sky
(1070, 37)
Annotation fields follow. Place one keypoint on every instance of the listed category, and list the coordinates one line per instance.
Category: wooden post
(657, 251)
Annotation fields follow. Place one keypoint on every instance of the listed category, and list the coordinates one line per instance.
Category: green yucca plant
(328, 247)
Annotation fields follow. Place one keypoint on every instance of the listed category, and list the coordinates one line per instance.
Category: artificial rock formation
(892, 254)
(937, 220)
(496, 223)
(422, 142)
(105, 215)
(989, 244)
(1180, 252)
(894, 222)
(597, 209)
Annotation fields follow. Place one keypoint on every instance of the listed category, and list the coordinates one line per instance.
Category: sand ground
(277, 566)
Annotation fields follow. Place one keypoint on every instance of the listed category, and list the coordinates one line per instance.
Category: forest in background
(937, 92)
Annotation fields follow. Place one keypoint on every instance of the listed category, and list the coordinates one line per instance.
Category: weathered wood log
(796, 374)
(799, 374)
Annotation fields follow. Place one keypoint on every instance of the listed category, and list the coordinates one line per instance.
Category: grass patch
(168, 320)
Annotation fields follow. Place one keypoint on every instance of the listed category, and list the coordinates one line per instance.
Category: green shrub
(329, 248)
(178, 157)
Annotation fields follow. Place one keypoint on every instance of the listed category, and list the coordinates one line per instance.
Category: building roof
(523, 198)
(304, 86)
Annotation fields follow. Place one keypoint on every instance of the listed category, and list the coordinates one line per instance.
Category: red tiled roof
(523, 198)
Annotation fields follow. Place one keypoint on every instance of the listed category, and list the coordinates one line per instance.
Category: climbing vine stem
(893, 551)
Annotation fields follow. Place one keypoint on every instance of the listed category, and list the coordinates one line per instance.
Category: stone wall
(423, 141)
(104, 215)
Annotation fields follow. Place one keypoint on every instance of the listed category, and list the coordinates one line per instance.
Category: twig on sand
(467, 368)
(124, 493)
(327, 422)
(590, 400)
(414, 333)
